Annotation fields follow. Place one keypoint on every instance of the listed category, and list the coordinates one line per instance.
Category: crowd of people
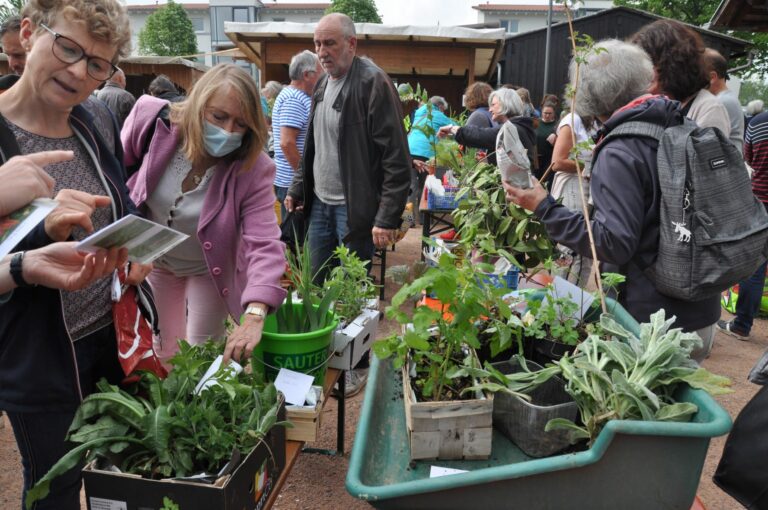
(213, 162)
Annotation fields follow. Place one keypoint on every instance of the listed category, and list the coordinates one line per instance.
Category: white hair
(302, 63)
(615, 73)
(754, 107)
(511, 104)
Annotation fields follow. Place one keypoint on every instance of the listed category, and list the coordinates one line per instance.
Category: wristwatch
(256, 311)
(17, 271)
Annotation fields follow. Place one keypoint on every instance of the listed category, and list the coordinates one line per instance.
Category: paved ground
(317, 481)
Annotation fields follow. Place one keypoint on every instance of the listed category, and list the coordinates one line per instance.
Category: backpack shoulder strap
(632, 128)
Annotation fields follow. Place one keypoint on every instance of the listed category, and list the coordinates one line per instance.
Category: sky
(401, 12)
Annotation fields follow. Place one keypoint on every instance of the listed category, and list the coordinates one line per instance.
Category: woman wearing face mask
(205, 175)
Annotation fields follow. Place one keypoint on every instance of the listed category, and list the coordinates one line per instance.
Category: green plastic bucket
(307, 353)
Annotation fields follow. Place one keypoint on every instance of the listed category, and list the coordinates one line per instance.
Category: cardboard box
(354, 341)
(306, 421)
(248, 488)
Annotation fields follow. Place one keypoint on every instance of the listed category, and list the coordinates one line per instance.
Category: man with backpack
(647, 222)
(751, 289)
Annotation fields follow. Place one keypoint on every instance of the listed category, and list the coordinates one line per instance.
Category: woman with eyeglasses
(54, 345)
(206, 174)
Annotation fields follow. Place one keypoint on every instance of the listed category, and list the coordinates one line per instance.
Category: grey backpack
(713, 230)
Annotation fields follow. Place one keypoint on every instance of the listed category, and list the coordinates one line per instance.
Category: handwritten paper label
(294, 385)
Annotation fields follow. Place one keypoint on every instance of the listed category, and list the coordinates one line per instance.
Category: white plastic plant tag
(435, 471)
(209, 380)
(294, 385)
(502, 266)
(562, 288)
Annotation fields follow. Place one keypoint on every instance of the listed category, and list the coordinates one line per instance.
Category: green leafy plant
(161, 428)
(552, 319)
(620, 376)
(486, 221)
(313, 314)
(169, 504)
(440, 342)
(354, 283)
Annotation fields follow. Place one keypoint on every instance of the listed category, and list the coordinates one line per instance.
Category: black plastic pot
(523, 422)
(546, 351)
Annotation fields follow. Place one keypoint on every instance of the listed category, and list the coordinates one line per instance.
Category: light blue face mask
(220, 142)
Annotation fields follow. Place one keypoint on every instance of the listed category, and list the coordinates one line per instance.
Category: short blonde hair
(106, 20)
(188, 115)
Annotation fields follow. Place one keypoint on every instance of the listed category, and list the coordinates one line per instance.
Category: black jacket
(626, 195)
(38, 371)
(373, 151)
(485, 137)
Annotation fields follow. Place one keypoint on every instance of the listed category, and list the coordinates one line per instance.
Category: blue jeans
(40, 435)
(750, 296)
(280, 194)
(327, 229)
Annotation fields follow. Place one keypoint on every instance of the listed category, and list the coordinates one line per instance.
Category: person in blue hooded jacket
(421, 144)
(625, 187)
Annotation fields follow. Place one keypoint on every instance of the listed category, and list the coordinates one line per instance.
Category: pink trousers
(188, 307)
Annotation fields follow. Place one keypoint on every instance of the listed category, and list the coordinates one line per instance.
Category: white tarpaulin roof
(486, 44)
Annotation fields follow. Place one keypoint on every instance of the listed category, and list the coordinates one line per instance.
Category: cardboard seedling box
(248, 488)
(354, 341)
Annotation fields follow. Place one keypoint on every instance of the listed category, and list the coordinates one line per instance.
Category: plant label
(211, 379)
(435, 471)
(294, 385)
(562, 288)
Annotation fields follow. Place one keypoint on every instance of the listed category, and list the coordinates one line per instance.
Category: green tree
(699, 12)
(168, 32)
(361, 11)
(753, 89)
(9, 8)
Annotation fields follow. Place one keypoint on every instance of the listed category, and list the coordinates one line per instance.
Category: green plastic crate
(632, 465)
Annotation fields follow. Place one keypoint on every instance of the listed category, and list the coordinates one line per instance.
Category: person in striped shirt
(290, 119)
(751, 290)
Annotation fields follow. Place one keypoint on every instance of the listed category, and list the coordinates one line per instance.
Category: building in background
(519, 18)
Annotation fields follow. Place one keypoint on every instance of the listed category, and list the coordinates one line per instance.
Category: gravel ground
(317, 481)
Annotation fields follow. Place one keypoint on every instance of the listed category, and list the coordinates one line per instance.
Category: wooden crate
(306, 422)
(460, 429)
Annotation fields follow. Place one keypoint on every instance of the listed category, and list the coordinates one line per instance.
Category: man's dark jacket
(626, 195)
(373, 151)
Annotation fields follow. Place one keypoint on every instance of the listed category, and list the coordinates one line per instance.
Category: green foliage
(620, 376)
(168, 32)
(313, 314)
(552, 319)
(433, 340)
(354, 283)
(361, 11)
(10, 8)
(698, 13)
(751, 90)
(161, 429)
(169, 504)
(486, 220)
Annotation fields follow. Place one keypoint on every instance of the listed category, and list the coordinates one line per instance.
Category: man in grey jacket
(117, 99)
(356, 171)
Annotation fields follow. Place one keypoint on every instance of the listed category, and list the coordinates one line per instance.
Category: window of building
(510, 25)
(240, 14)
(198, 23)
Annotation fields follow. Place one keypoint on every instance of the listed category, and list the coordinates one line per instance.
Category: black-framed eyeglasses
(69, 52)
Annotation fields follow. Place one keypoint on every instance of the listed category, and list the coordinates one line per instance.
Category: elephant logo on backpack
(683, 234)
